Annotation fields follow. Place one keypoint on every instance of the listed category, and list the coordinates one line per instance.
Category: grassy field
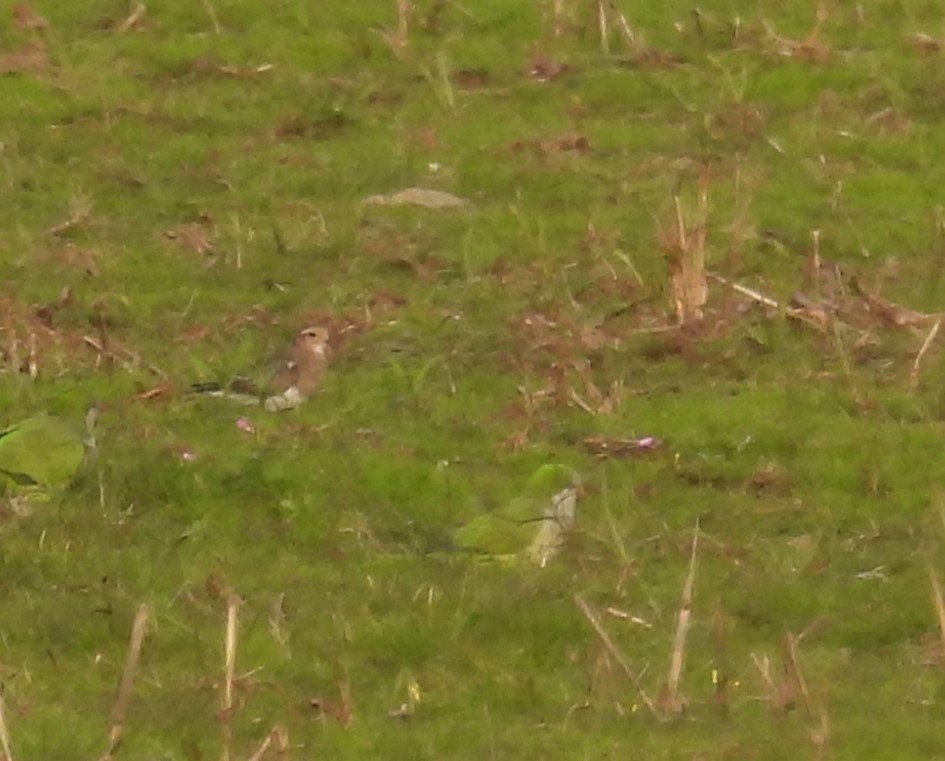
(184, 188)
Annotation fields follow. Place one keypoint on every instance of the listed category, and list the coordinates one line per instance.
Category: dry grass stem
(940, 509)
(764, 669)
(938, 604)
(133, 19)
(277, 735)
(617, 655)
(277, 619)
(720, 673)
(12, 349)
(398, 39)
(602, 26)
(79, 210)
(238, 235)
(744, 290)
(575, 397)
(925, 43)
(685, 253)
(130, 360)
(607, 14)
(229, 667)
(703, 217)
(674, 700)
(263, 747)
(792, 668)
(32, 365)
(626, 30)
(558, 13)
(929, 338)
(811, 48)
(894, 314)
(120, 709)
(820, 736)
(4, 734)
(403, 22)
(211, 12)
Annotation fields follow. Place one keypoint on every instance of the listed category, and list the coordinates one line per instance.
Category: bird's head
(313, 340)
(551, 479)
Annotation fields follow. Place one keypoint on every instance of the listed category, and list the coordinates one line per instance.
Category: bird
(531, 526)
(300, 373)
(44, 451)
(293, 376)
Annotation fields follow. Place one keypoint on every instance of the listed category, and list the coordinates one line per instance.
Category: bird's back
(43, 450)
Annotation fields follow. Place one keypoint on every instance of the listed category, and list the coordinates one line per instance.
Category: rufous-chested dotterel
(294, 374)
(300, 371)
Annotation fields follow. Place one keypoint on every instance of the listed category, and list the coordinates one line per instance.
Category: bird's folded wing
(557, 519)
(43, 450)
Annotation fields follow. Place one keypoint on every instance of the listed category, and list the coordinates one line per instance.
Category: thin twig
(617, 655)
(120, 709)
(674, 701)
(914, 375)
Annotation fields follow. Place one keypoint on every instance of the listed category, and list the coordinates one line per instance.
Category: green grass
(811, 465)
